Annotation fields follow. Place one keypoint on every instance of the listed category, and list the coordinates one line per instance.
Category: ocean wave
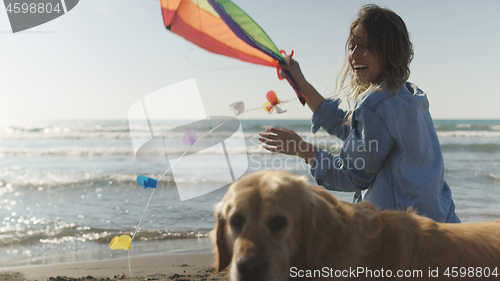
(120, 129)
(63, 233)
(258, 125)
(469, 134)
(99, 135)
(65, 130)
(67, 152)
(496, 177)
(486, 147)
(111, 151)
(86, 180)
(77, 180)
(66, 135)
(467, 125)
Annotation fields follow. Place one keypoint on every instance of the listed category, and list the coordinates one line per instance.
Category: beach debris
(120, 276)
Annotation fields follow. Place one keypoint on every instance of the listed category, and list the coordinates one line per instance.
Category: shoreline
(102, 252)
(160, 267)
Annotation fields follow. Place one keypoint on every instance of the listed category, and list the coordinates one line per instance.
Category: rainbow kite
(221, 27)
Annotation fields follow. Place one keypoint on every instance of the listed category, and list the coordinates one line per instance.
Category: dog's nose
(252, 268)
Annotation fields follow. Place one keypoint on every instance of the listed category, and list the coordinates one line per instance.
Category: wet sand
(158, 267)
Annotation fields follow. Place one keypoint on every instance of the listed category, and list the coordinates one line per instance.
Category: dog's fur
(271, 221)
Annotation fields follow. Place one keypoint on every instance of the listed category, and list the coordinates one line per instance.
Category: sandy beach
(158, 267)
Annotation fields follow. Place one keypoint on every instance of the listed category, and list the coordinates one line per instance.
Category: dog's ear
(324, 228)
(222, 251)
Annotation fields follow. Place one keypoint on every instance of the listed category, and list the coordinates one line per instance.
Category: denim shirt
(391, 152)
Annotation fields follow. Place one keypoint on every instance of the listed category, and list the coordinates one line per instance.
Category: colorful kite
(219, 26)
(121, 242)
(237, 107)
(190, 137)
(147, 182)
(272, 103)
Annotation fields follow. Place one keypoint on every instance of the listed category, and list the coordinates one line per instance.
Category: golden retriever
(274, 226)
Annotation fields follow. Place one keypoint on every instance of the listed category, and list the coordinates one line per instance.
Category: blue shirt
(391, 150)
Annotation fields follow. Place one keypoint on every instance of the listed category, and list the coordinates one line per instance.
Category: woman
(391, 154)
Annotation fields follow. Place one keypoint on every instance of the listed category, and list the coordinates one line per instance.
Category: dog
(274, 226)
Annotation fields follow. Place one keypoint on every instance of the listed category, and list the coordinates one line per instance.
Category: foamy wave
(485, 147)
(71, 180)
(67, 152)
(89, 130)
(65, 130)
(106, 151)
(469, 134)
(475, 125)
(86, 180)
(496, 177)
(65, 135)
(57, 232)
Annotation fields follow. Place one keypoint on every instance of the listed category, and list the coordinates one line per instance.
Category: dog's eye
(277, 224)
(237, 222)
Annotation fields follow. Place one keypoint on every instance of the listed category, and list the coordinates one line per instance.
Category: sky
(101, 57)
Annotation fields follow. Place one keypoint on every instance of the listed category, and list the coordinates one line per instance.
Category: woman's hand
(294, 69)
(287, 142)
(312, 97)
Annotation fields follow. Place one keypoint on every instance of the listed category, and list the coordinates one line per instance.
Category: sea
(68, 187)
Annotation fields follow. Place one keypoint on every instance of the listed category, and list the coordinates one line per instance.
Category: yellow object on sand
(120, 243)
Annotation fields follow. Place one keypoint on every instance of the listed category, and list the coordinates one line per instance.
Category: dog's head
(269, 221)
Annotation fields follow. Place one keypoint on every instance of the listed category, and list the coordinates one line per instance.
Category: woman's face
(364, 64)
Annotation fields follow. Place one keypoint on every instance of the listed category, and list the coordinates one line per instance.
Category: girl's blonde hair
(389, 41)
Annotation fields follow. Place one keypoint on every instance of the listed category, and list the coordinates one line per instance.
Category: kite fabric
(221, 27)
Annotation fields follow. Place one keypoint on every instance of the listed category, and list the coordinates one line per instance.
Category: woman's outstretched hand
(287, 142)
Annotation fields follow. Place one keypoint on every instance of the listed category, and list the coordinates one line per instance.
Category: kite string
(183, 154)
(143, 213)
(151, 196)
(217, 125)
(206, 134)
(129, 266)
(152, 192)
(260, 107)
(137, 230)
(211, 69)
